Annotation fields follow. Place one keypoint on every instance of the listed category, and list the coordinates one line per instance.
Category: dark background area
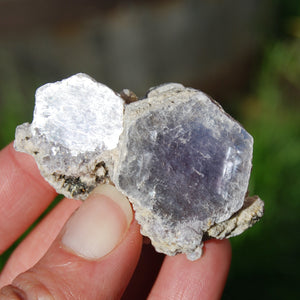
(245, 54)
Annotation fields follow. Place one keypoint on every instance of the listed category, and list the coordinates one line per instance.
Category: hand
(94, 254)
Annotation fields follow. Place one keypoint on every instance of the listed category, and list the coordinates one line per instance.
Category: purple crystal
(187, 162)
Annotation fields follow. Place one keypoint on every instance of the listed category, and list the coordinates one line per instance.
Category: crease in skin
(11, 292)
(64, 265)
(31, 283)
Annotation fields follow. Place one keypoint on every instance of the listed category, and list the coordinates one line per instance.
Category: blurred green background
(245, 54)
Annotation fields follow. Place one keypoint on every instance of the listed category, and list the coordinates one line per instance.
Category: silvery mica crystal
(182, 161)
(76, 124)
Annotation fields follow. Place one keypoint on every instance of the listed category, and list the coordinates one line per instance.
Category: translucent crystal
(185, 165)
(178, 157)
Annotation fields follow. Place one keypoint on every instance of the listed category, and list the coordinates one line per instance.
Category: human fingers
(24, 194)
(145, 273)
(202, 279)
(93, 257)
(36, 244)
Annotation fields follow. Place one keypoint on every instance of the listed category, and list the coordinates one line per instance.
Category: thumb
(93, 257)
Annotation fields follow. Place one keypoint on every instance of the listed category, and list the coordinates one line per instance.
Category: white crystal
(76, 127)
(80, 113)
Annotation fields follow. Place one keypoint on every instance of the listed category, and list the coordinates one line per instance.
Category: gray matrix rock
(179, 158)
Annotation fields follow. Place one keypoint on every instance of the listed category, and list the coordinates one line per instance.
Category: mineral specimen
(76, 122)
(179, 158)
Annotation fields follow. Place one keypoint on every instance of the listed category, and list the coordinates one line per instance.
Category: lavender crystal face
(186, 165)
(204, 170)
(179, 158)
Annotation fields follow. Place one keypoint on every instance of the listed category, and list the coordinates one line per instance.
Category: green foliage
(265, 258)
(16, 94)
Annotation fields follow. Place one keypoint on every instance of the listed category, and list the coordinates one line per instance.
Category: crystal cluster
(179, 158)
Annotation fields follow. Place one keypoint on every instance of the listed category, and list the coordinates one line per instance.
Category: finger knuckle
(26, 287)
(11, 292)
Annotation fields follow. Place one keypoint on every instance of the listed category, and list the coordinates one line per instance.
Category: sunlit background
(245, 54)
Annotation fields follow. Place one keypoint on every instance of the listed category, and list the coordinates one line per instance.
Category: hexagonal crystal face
(78, 113)
(189, 161)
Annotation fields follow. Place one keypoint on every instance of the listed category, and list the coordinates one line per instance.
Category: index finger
(24, 194)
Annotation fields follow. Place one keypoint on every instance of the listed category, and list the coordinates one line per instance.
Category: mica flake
(181, 160)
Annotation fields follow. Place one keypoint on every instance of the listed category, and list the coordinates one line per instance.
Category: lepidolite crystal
(76, 122)
(179, 158)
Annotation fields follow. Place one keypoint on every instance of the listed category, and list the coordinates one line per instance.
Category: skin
(40, 268)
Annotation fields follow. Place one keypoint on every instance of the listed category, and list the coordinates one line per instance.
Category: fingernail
(99, 224)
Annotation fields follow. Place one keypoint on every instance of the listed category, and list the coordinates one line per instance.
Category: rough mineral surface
(250, 213)
(76, 122)
(179, 158)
